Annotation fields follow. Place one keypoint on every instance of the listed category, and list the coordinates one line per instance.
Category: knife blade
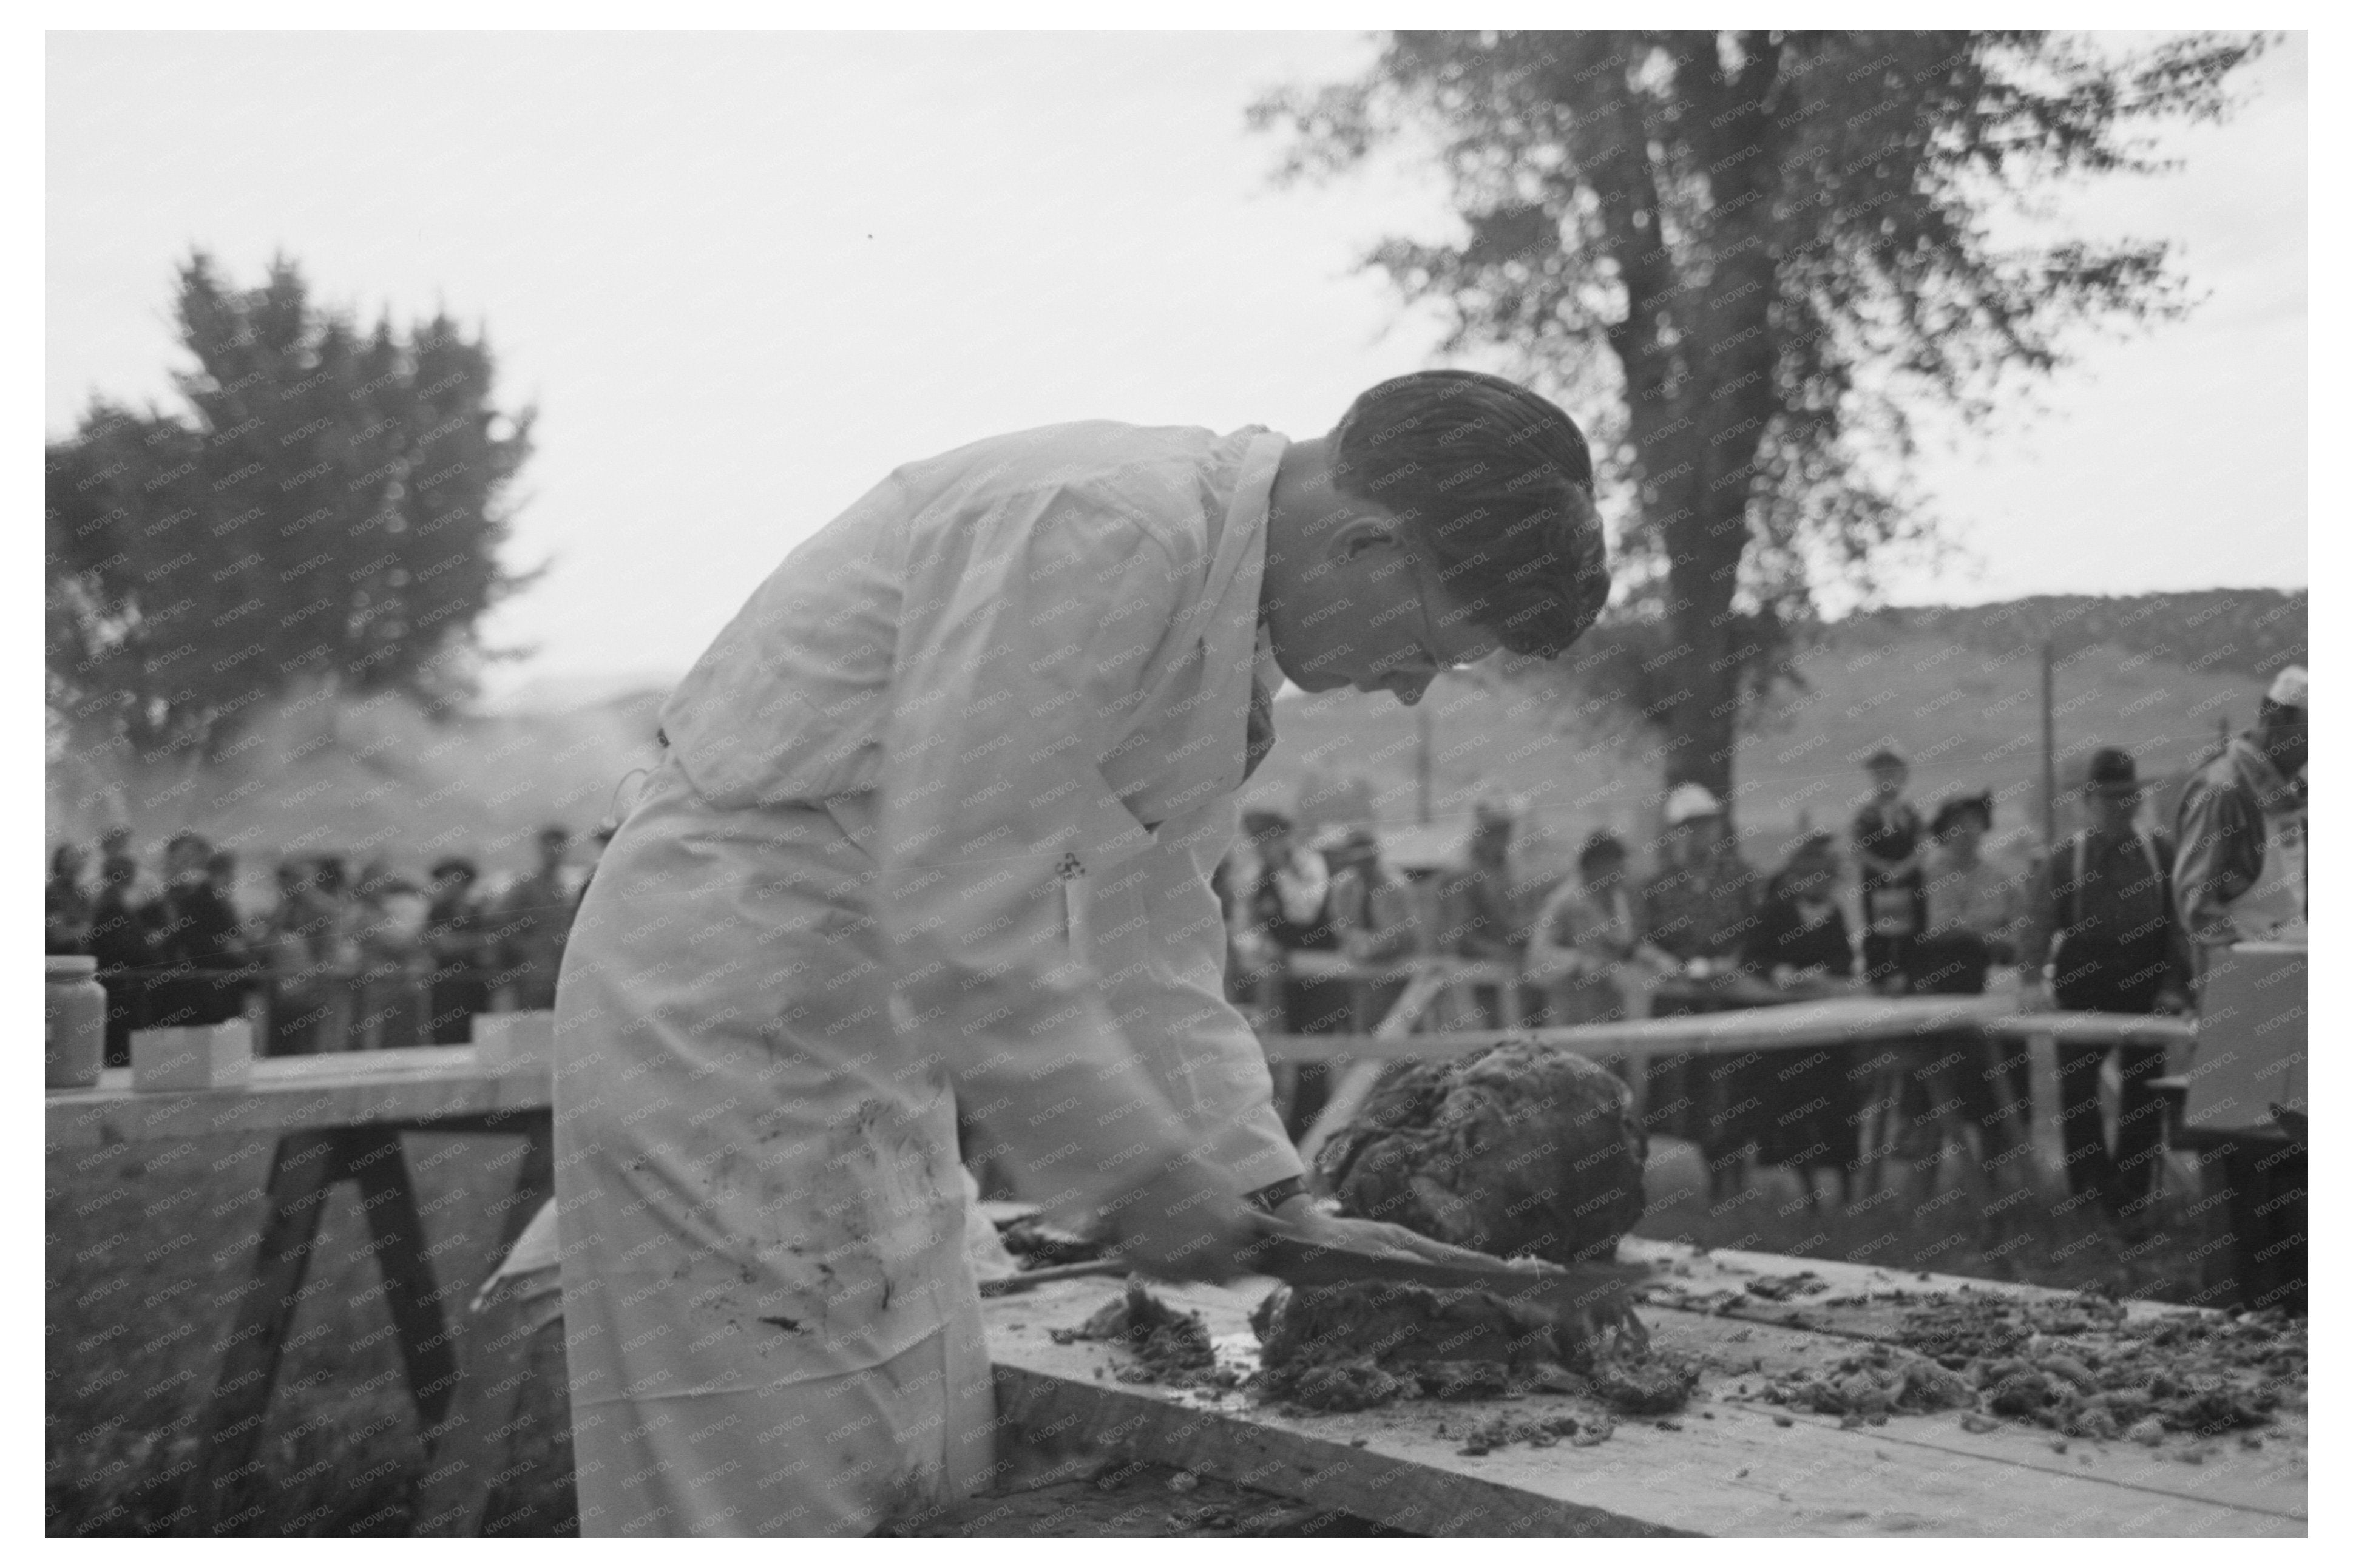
(1598, 1289)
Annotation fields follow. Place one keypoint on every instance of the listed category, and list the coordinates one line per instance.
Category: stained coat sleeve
(1025, 628)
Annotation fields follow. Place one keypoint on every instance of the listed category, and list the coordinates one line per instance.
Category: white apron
(848, 899)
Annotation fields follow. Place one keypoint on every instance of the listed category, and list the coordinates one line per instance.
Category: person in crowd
(1808, 1099)
(1292, 905)
(207, 968)
(1477, 918)
(290, 951)
(220, 870)
(1801, 942)
(458, 942)
(1699, 906)
(1372, 910)
(1698, 911)
(65, 903)
(1252, 977)
(534, 920)
(1586, 946)
(1977, 918)
(390, 930)
(1890, 847)
(2241, 826)
(2117, 946)
(122, 939)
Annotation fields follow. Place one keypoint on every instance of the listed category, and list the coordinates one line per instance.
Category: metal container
(73, 1023)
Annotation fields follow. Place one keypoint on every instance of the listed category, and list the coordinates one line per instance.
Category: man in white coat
(934, 828)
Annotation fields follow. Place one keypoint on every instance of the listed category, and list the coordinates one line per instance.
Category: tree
(329, 508)
(1759, 251)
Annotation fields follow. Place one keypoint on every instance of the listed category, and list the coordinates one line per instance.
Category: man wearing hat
(2242, 873)
(2115, 948)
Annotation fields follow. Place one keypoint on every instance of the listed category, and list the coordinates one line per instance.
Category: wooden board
(286, 1094)
(1726, 1467)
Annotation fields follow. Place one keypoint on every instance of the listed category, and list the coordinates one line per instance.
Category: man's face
(551, 846)
(2285, 740)
(1370, 614)
(185, 862)
(1687, 841)
(1886, 783)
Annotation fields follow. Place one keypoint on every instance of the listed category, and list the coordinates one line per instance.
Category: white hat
(2291, 688)
(1687, 801)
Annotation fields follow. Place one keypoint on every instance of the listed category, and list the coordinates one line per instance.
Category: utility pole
(1423, 723)
(2050, 751)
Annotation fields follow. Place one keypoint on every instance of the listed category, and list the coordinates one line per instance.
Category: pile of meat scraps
(1169, 1346)
(2080, 1366)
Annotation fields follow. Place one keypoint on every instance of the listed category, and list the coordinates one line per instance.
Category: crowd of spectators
(339, 960)
(1904, 902)
(345, 960)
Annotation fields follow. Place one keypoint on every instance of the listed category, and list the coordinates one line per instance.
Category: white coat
(934, 829)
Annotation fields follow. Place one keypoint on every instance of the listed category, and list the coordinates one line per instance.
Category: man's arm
(1552, 943)
(2177, 939)
(1160, 942)
(2220, 856)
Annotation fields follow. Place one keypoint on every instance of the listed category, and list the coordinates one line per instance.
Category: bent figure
(933, 830)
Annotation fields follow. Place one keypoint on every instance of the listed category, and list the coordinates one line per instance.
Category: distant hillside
(2244, 631)
(1957, 691)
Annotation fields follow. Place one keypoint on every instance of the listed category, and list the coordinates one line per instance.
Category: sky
(743, 277)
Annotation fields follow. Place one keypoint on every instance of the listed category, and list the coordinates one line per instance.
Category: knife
(1596, 1288)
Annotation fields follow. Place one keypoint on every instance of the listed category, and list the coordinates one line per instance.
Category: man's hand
(1184, 1222)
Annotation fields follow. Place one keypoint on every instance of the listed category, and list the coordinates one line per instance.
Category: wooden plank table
(335, 1118)
(1839, 1020)
(1727, 1465)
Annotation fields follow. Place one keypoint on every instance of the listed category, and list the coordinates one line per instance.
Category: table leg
(304, 1168)
(431, 1361)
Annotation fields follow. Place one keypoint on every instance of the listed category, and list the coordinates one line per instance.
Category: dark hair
(455, 866)
(189, 835)
(1495, 484)
(1885, 757)
(1957, 806)
(57, 857)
